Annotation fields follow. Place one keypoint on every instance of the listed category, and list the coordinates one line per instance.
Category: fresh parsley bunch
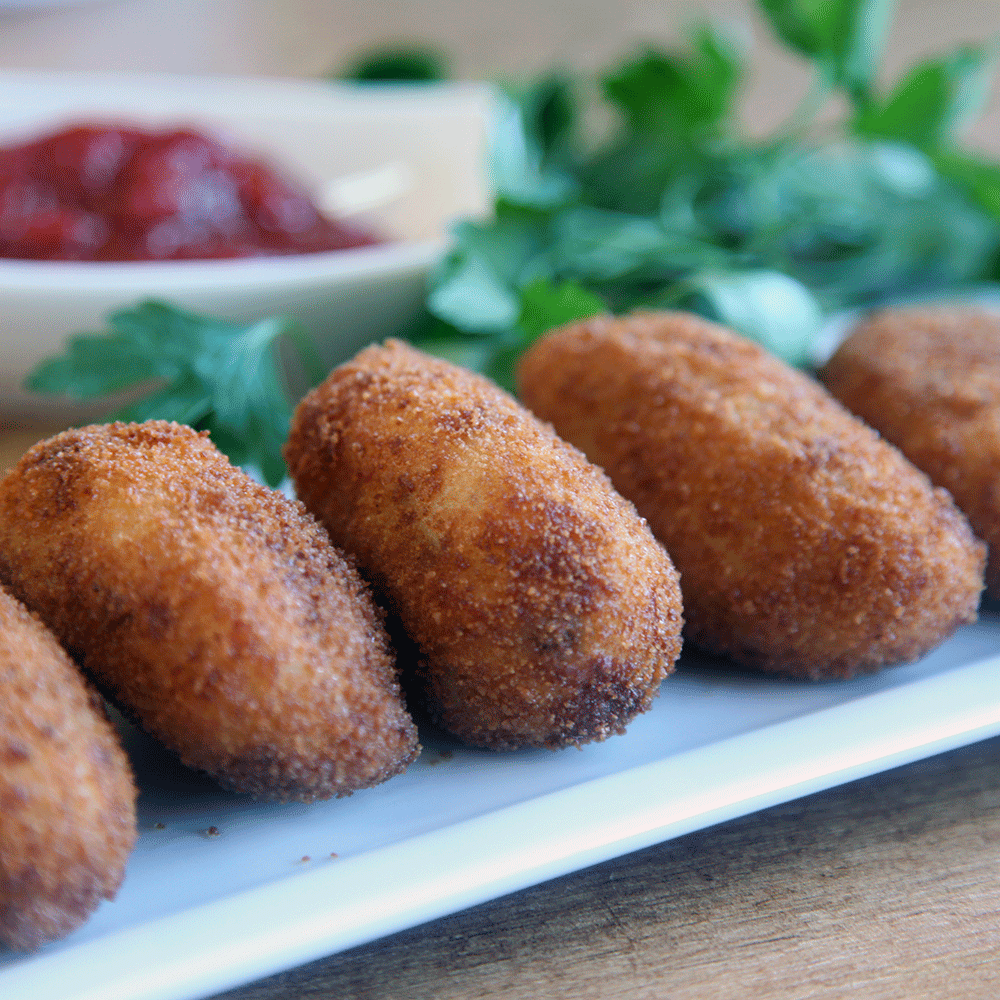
(214, 375)
(671, 206)
(675, 206)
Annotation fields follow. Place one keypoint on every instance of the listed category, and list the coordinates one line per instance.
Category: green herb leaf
(212, 374)
(545, 305)
(676, 108)
(474, 353)
(549, 116)
(846, 36)
(597, 245)
(92, 367)
(529, 147)
(775, 310)
(934, 102)
(980, 176)
(509, 244)
(410, 64)
(473, 299)
(678, 95)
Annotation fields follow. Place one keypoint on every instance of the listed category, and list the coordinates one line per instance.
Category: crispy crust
(806, 545)
(67, 800)
(545, 611)
(929, 381)
(211, 609)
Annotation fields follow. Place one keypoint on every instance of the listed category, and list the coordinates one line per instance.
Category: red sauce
(121, 194)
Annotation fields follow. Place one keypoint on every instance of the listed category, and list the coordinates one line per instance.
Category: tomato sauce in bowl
(109, 193)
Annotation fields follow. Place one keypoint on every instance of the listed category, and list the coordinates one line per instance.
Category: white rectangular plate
(277, 886)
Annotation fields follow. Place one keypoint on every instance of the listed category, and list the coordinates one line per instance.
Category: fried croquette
(545, 612)
(67, 799)
(806, 545)
(212, 610)
(928, 380)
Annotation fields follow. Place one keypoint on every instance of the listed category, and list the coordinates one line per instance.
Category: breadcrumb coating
(928, 380)
(806, 544)
(67, 800)
(210, 609)
(545, 612)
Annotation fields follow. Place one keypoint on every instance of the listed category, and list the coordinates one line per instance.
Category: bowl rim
(396, 257)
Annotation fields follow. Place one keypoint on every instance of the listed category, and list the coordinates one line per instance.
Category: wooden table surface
(885, 888)
(888, 887)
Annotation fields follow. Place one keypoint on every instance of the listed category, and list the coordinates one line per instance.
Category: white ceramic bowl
(423, 147)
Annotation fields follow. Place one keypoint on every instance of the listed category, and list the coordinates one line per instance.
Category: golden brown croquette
(212, 610)
(67, 800)
(545, 612)
(928, 380)
(806, 545)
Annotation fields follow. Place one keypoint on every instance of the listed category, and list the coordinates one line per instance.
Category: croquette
(67, 799)
(544, 612)
(212, 610)
(806, 544)
(928, 380)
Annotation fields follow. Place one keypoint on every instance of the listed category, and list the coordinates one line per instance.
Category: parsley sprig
(675, 206)
(671, 205)
(217, 376)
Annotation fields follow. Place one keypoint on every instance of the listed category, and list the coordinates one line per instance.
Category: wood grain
(884, 888)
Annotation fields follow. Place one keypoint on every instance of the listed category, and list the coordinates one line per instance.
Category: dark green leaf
(548, 112)
(205, 372)
(521, 172)
(848, 36)
(475, 353)
(545, 305)
(720, 57)
(858, 53)
(934, 102)
(93, 367)
(532, 146)
(678, 95)
(185, 402)
(417, 63)
(508, 243)
(631, 175)
(798, 23)
(652, 92)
